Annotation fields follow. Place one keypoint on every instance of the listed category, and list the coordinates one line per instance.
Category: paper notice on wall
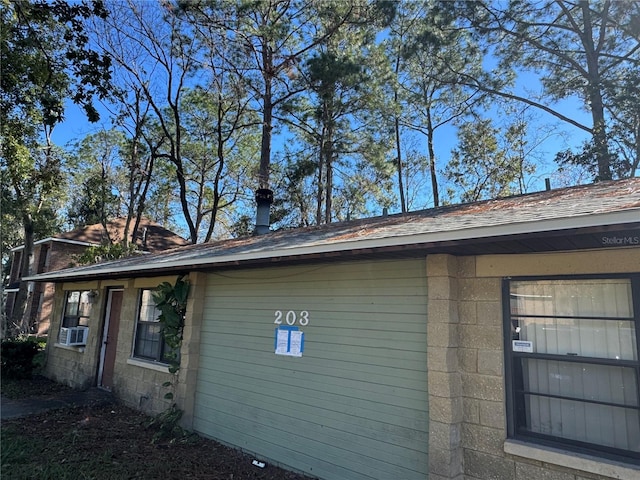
(282, 341)
(295, 345)
(289, 341)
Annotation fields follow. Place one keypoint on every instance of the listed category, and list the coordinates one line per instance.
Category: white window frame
(78, 318)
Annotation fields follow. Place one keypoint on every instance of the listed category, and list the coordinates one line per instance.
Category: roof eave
(53, 239)
(630, 216)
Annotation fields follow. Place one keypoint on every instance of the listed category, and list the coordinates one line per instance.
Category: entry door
(110, 339)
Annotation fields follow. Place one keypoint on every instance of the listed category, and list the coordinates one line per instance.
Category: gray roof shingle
(602, 204)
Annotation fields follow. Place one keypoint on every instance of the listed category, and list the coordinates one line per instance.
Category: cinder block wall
(466, 368)
(443, 369)
(481, 356)
(190, 351)
(137, 383)
(73, 366)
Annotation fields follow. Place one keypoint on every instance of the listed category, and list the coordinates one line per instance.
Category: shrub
(17, 357)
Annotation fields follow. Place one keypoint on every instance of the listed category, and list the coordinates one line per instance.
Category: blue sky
(76, 126)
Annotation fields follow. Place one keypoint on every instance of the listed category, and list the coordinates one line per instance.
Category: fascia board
(66, 240)
(53, 239)
(531, 227)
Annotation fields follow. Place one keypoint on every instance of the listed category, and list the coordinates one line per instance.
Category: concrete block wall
(142, 388)
(73, 366)
(136, 382)
(482, 368)
(468, 433)
(190, 351)
(443, 369)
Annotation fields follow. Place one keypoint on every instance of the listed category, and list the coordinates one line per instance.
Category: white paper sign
(289, 341)
(282, 341)
(295, 346)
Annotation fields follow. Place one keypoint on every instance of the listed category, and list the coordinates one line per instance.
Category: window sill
(67, 347)
(158, 367)
(576, 461)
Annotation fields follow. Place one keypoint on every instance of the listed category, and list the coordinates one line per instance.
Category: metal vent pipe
(264, 199)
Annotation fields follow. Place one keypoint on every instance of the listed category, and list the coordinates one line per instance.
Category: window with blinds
(149, 343)
(572, 363)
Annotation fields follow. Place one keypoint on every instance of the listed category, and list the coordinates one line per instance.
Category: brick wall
(48, 257)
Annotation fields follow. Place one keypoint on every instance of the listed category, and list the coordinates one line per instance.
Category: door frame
(105, 331)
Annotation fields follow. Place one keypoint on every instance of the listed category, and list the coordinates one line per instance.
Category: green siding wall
(355, 405)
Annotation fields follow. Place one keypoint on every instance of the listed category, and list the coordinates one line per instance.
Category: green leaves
(172, 316)
(577, 50)
(102, 253)
(171, 300)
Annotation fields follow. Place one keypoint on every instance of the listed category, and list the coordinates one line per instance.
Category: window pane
(148, 310)
(77, 309)
(170, 355)
(581, 381)
(69, 321)
(148, 341)
(73, 300)
(605, 425)
(84, 306)
(614, 339)
(569, 397)
(603, 298)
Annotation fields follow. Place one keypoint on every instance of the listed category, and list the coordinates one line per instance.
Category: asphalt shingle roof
(157, 238)
(615, 202)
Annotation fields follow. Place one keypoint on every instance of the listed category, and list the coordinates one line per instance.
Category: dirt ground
(116, 442)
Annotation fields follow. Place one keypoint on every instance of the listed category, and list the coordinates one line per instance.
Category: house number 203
(291, 317)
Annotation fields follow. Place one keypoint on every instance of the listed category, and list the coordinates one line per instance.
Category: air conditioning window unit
(74, 336)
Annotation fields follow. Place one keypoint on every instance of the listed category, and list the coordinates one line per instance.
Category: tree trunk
(176, 158)
(403, 202)
(19, 323)
(432, 161)
(221, 158)
(595, 97)
(328, 154)
(319, 178)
